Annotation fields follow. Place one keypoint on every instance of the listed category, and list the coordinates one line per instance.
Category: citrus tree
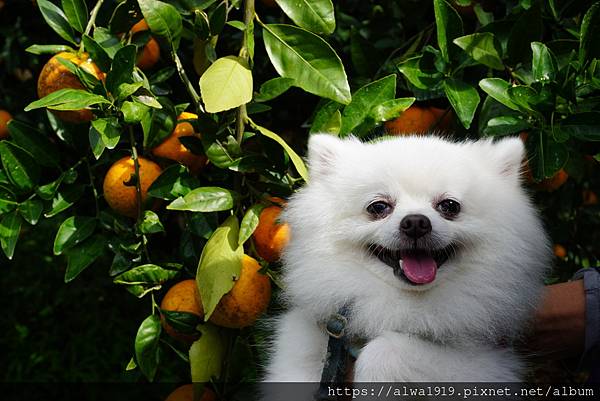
(163, 137)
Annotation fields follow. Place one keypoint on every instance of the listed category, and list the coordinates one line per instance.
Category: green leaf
(125, 89)
(391, 109)
(64, 199)
(72, 231)
(449, 26)
(97, 53)
(543, 64)
(419, 74)
(134, 112)
(226, 84)
(145, 278)
(505, 125)
(108, 129)
(482, 47)
(96, 143)
(206, 354)
(223, 153)
(67, 99)
(164, 20)
(497, 88)
(76, 12)
(364, 100)
(308, 60)
(131, 365)
(237, 25)
(48, 49)
(589, 39)
(148, 100)
(296, 160)
(203, 224)
(249, 222)
(523, 96)
(313, 15)
(528, 28)
(121, 70)
(463, 98)
(31, 210)
(47, 191)
(204, 199)
(273, 88)
(119, 264)
(110, 42)
(333, 125)
(147, 353)
(10, 227)
(174, 182)
(182, 322)
(55, 17)
(37, 144)
(151, 223)
(583, 126)
(326, 118)
(8, 200)
(220, 265)
(549, 158)
(20, 167)
(217, 18)
(83, 255)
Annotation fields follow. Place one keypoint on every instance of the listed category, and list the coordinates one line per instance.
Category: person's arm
(559, 326)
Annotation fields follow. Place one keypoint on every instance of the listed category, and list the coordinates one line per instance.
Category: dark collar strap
(338, 355)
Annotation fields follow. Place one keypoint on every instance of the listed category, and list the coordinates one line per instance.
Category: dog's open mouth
(416, 266)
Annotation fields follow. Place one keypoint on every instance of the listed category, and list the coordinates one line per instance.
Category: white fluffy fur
(445, 330)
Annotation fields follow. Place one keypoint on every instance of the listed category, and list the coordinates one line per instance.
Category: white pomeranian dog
(433, 246)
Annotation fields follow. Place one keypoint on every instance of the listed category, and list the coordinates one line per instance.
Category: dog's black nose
(415, 225)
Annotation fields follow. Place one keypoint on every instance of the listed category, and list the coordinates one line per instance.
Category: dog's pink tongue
(420, 269)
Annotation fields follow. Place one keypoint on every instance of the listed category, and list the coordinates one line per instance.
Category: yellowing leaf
(206, 354)
(226, 84)
(220, 265)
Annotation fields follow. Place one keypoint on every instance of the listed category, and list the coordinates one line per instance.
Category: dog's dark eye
(379, 209)
(449, 208)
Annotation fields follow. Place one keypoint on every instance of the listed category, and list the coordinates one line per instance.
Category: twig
(188, 84)
(136, 164)
(242, 113)
(92, 22)
(138, 190)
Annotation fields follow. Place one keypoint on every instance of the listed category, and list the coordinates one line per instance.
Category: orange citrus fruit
(589, 198)
(418, 120)
(5, 117)
(171, 148)
(554, 182)
(248, 298)
(182, 297)
(119, 188)
(559, 251)
(186, 393)
(55, 76)
(270, 237)
(444, 118)
(150, 54)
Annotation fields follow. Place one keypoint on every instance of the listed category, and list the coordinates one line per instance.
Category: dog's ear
(323, 152)
(508, 154)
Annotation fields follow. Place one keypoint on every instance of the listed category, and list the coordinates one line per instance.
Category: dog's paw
(381, 360)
